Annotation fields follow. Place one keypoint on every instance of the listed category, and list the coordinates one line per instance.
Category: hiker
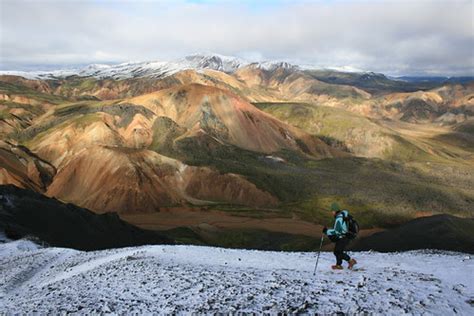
(341, 235)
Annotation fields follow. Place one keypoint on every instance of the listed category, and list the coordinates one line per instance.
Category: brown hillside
(20, 167)
(107, 179)
(228, 118)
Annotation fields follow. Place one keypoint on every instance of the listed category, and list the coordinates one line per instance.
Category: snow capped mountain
(154, 69)
(41, 75)
(92, 69)
(273, 65)
(203, 280)
(214, 61)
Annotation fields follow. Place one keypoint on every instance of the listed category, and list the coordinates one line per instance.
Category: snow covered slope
(169, 279)
(41, 75)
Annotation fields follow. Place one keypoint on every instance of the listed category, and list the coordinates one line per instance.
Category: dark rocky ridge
(27, 213)
(442, 232)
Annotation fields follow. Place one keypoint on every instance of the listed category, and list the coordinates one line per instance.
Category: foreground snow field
(171, 279)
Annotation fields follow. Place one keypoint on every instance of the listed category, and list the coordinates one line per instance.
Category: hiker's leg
(346, 257)
(344, 244)
(338, 252)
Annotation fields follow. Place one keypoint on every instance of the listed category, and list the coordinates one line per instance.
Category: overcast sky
(393, 37)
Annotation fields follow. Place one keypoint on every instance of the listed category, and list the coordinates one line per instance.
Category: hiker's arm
(338, 228)
(344, 227)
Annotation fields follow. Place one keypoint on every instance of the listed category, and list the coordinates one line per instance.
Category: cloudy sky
(394, 37)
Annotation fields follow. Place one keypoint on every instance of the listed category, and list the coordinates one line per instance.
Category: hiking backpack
(352, 226)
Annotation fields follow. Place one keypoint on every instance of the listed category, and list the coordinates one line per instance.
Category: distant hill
(436, 79)
(443, 232)
(370, 81)
(377, 82)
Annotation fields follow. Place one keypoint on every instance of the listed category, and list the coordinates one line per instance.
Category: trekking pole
(319, 252)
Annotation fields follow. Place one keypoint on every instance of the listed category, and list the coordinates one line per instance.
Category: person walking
(340, 236)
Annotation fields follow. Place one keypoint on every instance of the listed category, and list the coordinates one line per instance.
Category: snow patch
(275, 158)
(17, 247)
(273, 65)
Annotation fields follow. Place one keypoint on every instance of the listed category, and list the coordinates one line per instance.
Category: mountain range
(153, 69)
(213, 61)
(226, 149)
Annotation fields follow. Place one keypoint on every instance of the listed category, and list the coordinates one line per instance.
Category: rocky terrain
(433, 232)
(183, 279)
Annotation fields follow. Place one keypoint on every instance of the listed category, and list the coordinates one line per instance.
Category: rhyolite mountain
(230, 141)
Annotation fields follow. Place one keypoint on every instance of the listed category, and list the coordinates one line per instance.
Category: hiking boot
(352, 263)
(337, 267)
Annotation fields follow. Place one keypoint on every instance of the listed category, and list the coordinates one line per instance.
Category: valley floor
(170, 279)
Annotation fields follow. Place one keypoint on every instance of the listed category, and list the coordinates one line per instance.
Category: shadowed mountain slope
(443, 232)
(370, 81)
(26, 213)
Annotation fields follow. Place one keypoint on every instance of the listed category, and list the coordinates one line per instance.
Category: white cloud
(396, 37)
